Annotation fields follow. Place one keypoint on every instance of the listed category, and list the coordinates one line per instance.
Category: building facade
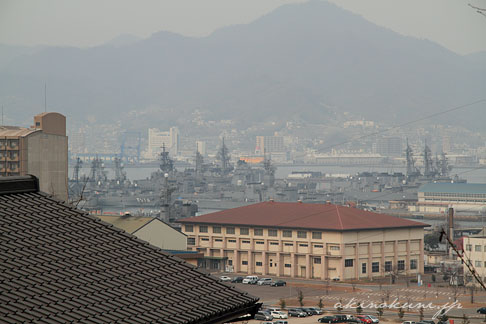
(269, 144)
(41, 150)
(475, 250)
(157, 139)
(309, 241)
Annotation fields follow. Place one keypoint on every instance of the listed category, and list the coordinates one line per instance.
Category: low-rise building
(475, 251)
(320, 241)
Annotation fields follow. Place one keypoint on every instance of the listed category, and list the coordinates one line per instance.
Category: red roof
(300, 215)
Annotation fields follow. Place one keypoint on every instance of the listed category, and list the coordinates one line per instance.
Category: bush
(283, 304)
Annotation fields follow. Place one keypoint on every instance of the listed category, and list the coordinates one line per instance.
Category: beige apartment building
(313, 241)
(475, 250)
(41, 150)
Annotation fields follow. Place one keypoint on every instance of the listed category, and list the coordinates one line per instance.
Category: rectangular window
(189, 228)
(230, 230)
(288, 244)
(334, 248)
(272, 232)
(287, 233)
(302, 234)
(218, 240)
(230, 262)
(413, 264)
(477, 248)
(318, 246)
(287, 265)
(317, 235)
(468, 247)
(191, 241)
(217, 229)
(204, 239)
(363, 267)
(401, 265)
(375, 267)
(317, 260)
(203, 229)
(478, 264)
(273, 243)
(348, 263)
(244, 231)
(245, 242)
(258, 264)
(388, 266)
(232, 241)
(260, 242)
(303, 245)
(258, 232)
(244, 262)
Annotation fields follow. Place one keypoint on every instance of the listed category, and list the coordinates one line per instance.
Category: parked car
(408, 322)
(365, 319)
(426, 322)
(279, 314)
(277, 283)
(295, 312)
(327, 319)
(280, 322)
(374, 319)
(316, 310)
(272, 309)
(225, 278)
(237, 279)
(352, 319)
(481, 310)
(262, 316)
(251, 280)
(264, 281)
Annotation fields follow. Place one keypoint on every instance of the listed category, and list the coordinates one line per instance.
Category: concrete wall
(47, 159)
(162, 235)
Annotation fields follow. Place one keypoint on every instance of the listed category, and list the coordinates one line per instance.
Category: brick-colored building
(320, 241)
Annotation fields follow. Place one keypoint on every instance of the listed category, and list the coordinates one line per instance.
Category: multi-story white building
(157, 139)
(475, 250)
(320, 241)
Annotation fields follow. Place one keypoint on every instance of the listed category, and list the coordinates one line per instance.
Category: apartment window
(363, 267)
(218, 240)
(230, 262)
(191, 241)
(232, 241)
(485, 264)
(348, 263)
(334, 248)
(273, 243)
(388, 266)
(413, 264)
(189, 228)
(318, 246)
(244, 231)
(217, 229)
(401, 265)
(375, 267)
(260, 242)
(203, 229)
(204, 239)
(230, 230)
(477, 248)
(317, 260)
(258, 232)
(288, 244)
(301, 234)
(468, 247)
(317, 235)
(258, 264)
(287, 265)
(287, 233)
(245, 242)
(272, 232)
(478, 264)
(303, 245)
(244, 262)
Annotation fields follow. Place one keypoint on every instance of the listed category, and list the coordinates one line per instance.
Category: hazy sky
(451, 23)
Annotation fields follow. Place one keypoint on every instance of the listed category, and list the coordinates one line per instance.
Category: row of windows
(256, 231)
(479, 264)
(477, 248)
(444, 194)
(375, 266)
(192, 240)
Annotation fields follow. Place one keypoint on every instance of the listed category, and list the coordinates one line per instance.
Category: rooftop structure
(61, 265)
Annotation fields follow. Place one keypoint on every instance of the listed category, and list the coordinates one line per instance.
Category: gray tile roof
(60, 265)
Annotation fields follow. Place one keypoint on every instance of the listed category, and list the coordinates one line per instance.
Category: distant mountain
(123, 40)
(292, 64)
(478, 58)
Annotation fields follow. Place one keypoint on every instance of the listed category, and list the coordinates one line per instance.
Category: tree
(379, 311)
(421, 313)
(400, 313)
(433, 278)
(359, 309)
(320, 304)
(300, 297)
(283, 304)
(431, 241)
